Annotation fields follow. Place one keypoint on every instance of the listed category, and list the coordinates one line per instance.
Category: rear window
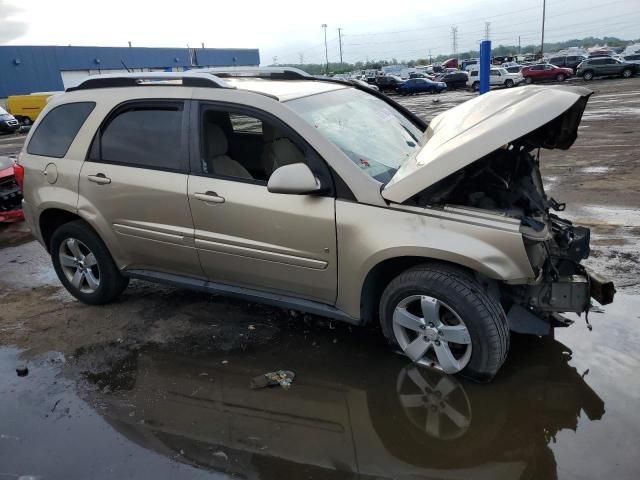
(148, 136)
(58, 128)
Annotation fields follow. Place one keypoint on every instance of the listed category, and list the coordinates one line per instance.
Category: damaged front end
(507, 180)
(10, 193)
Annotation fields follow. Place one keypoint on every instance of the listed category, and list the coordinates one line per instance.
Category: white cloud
(285, 28)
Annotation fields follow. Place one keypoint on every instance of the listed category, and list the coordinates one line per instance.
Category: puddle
(595, 170)
(597, 214)
(353, 411)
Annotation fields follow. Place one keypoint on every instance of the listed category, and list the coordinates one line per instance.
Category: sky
(288, 31)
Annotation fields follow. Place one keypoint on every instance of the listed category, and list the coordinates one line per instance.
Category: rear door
(134, 187)
(245, 235)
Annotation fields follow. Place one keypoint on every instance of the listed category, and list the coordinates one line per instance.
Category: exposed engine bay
(508, 181)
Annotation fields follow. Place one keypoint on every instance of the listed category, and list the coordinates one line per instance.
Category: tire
(110, 282)
(588, 75)
(627, 73)
(475, 86)
(528, 80)
(509, 83)
(460, 298)
(560, 77)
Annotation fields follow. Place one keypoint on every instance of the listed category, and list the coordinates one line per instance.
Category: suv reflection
(387, 420)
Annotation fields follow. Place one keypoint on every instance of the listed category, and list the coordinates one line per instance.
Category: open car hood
(532, 116)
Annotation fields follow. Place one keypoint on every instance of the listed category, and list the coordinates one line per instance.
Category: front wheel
(588, 76)
(476, 86)
(560, 77)
(440, 317)
(509, 83)
(626, 73)
(84, 265)
(528, 80)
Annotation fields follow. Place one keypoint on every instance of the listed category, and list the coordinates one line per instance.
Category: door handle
(209, 197)
(99, 178)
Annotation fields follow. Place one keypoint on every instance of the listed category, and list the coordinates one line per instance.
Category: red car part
(11, 180)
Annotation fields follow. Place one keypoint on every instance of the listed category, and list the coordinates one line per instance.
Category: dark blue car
(419, 85)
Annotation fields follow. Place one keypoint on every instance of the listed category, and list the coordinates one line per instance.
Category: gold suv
(317, 195)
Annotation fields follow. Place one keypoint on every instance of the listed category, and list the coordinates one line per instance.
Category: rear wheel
(560, 77)
(588, 76)
(509, 83)
(84, 266)
(476, 86)
(440, 317)
(528, 80)
(626, 73)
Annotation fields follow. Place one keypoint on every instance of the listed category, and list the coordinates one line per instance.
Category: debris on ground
(22, 371)
(284, 378)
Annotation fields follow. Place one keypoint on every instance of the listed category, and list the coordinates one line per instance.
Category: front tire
(560, 77)
(84, 265)
(627, 73)
(588, 76)
(509, 83)
(440, 316)
(528, 80)
(476, 86)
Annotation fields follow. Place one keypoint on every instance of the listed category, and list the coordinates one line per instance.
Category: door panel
(275, 242)
(143, 216)
(134, 187)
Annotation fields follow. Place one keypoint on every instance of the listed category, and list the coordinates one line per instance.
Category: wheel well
(381, 275)
(51, 220)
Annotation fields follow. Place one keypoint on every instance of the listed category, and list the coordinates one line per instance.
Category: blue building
(28, 69)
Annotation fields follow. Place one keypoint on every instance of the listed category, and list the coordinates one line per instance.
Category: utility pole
(340, 39)
(326, 52)
(544, 8)
(454, 41)
(301, 57)
(430, 57)
(487, 30)
(519, 49)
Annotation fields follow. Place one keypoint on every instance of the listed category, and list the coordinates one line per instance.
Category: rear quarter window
(58, 129)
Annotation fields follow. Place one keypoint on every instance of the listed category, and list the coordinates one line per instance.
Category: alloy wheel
(79, 265)
(431, 333)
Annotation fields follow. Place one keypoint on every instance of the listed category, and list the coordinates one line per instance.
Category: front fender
(487, 243)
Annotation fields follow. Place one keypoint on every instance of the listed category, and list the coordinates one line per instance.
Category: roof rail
(188, 79)
(275, 73)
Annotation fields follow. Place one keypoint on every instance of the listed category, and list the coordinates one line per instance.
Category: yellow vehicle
(26, 108)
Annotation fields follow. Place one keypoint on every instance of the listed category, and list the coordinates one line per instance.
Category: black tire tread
(112, 282)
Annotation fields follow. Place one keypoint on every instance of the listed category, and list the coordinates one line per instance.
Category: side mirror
(295, 179)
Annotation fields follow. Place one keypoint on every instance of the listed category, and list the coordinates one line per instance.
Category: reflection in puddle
(348, 415)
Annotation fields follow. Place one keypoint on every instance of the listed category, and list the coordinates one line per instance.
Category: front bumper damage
(10, 194)
(563, 284)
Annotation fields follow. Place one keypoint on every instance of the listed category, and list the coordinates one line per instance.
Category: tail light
(18, 171)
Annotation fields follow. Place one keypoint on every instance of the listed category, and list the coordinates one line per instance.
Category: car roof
(284, 90)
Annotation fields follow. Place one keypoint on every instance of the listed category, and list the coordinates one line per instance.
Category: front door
(134, 187)
(245, 235)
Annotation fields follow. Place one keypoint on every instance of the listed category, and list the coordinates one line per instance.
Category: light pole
(340, 38)
(544, 6)
(326, 52)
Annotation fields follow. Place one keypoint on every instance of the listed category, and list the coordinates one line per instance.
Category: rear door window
(58, 129)
(147, 135)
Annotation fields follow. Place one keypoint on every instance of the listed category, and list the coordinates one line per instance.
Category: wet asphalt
(157, 385)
